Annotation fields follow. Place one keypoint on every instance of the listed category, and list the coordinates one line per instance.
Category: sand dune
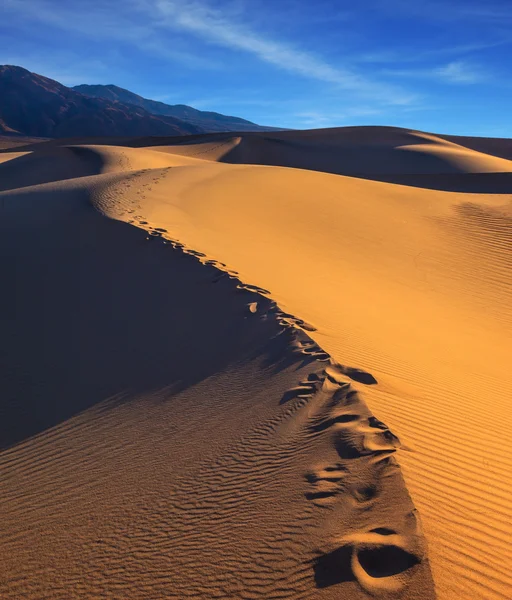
(414, 289)
(57, 163)
(357, 151)
(14, 141)
(171, 432)
(391, 154)
(164, 441)
(500, 147)
(400, 153)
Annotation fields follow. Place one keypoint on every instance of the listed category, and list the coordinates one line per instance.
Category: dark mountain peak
(31, 83)
(35, 105)
(14, 69)
(207, 120)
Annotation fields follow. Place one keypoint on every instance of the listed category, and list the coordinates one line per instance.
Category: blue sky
(438, 65)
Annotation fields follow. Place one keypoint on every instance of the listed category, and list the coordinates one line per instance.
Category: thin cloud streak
(460, 72)
(389, 57)
(319, 119)
(455, 72)
(144, 24)
(211, 25)
(492, 13)
(101, 22)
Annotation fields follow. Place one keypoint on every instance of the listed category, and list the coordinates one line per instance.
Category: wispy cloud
(99, 20)
(319, 119)
(287, 63)
(460, 72)
(210, 24)
(428, 54)
(146, 25)
(494, 12)
(455, 72)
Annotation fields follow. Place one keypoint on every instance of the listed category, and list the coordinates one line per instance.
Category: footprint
(374, 422)
(383, 441)
(312, 349)
(364, 493)
(305, 390)
(359, 375)
(253, 288)
(345, 419)
(322, 497)
(326, 484)
(378, 437)
(329, 473)
(288, 319)
(309, 347)
(380, 560)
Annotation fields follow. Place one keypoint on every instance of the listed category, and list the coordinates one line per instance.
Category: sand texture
(252, 366)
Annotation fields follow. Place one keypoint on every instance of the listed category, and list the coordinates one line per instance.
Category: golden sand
(172, 432)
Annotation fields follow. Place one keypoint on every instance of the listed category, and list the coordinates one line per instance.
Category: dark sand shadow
(90, 310)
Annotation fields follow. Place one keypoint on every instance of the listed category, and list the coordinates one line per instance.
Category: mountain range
(206, 120)
(34, 105)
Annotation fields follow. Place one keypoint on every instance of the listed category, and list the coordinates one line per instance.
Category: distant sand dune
(170, 431)
(400, 154)
(13, 141)
(55, 163)
(391, 154)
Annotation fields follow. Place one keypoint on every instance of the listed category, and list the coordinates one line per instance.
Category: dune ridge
(170, 432)
(407, 284)
(422, 371)
(448, 266)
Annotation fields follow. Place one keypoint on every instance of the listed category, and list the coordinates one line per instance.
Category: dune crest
(196, 387)
(169, 432)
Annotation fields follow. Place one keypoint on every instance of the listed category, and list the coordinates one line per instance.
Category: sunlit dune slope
(225, 491)
(411, 285)
(56, 163)
(501, 147)
(167, 431)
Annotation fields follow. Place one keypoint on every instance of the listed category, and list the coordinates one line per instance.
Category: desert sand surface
(257, 366)
(14, 141)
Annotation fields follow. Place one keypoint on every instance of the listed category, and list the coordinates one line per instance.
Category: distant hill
(208, 121)
(33, 105)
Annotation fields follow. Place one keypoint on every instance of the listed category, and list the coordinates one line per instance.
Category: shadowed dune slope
(410, 285)
(168, 432)
(391, 154)
(375, 151)
(13, 141)
(388, 154)
(22, 169)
